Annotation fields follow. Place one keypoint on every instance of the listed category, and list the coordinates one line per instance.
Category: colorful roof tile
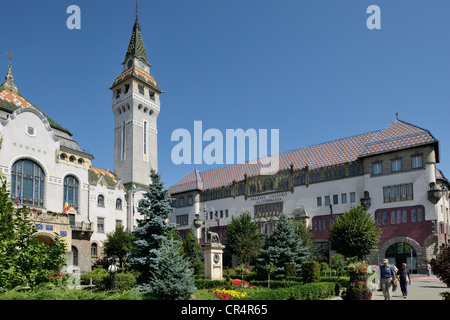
(11, 101)
(96, 173)
(136, 46)
(137, 73)
(398, 135)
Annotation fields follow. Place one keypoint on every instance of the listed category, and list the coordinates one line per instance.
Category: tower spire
(136, 46)
(9, 79)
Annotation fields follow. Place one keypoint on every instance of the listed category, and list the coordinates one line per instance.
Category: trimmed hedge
(209, 284)
(274, 284)
(310, 291)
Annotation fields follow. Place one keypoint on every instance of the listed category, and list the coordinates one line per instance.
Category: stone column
(213, 260)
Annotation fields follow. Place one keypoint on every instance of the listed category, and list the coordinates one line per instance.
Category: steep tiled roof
(11, 101)
(136, 46)
(398, 135)
(95, 174)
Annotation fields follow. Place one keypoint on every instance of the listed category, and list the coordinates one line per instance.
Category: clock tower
(136, 106)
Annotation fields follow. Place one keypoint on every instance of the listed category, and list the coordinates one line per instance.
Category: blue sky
(310, 68)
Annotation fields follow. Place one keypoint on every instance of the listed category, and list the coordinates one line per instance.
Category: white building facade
(391, 172)
(46, 167)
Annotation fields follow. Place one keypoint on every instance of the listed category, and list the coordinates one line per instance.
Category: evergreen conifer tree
(193, 252)
(283, 246)
(150, 234)
(172, 278)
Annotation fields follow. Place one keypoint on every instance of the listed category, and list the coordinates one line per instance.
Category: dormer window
(129, 63)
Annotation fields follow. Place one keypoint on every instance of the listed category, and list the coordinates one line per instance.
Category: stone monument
(213, 251)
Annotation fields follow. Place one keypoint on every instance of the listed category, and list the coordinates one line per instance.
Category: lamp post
(112, 269)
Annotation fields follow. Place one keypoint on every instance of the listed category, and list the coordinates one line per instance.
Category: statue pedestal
(213, 261)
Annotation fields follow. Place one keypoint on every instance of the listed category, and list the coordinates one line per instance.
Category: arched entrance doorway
(401, 252)
(44, 237)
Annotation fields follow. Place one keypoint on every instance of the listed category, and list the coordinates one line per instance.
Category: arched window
(100, 201)
(94, 250)
(74, 256)
(71, 190)
(119, 204)
(28, 181)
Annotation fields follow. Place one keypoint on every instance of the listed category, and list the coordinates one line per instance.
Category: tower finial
(10, 56)
(9, 79)
(137, 11)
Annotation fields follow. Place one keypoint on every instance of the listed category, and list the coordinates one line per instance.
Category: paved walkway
(422, 288)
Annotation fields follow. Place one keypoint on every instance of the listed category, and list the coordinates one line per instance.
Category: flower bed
(224, 294)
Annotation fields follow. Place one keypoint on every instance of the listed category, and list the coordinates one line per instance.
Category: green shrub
(275, 284)
(209, 284)
(100, 279)
(341, 281)
(289, 269)
(310, 271)
(310, 291)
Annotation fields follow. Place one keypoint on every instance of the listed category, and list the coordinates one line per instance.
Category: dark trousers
(404, 287)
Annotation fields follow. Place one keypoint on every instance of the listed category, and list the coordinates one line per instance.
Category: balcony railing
(82, 226)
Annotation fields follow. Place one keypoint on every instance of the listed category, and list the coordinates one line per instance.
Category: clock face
(130, 63)
(141, 64)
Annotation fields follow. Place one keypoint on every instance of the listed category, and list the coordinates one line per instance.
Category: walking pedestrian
(428, 269)
(387, 274)
(404, 277)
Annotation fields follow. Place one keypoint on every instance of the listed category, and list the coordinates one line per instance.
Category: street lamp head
(112, 269)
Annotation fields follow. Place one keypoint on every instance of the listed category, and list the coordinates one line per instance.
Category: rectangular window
(145, 137)
(344, 198)
(221, 213)
(181, 202)
(413, 215)
(226, 213)
(182, 220)
(141, 89)
(352, 197)
(404, 216)
(100, 224)
(123, 140)
(118, 223)
(189, 200)
(377, 168)
(416, 162)
(392, 217)
(396, 165)
(401, 192)
(385, 218)
(335, 199)
(327, 200)
(319, 201)
(399, 217)
(419, 215)
(379, 218)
